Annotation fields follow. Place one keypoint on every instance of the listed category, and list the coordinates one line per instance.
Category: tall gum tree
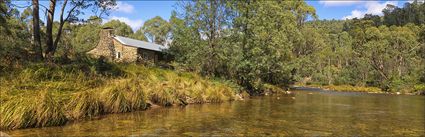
(156, 29)
(36, 29)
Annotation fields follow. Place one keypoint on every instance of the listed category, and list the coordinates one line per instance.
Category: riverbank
(312, 113)
(37, 95)
(372, 90)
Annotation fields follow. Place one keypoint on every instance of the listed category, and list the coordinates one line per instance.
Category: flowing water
(313, 112)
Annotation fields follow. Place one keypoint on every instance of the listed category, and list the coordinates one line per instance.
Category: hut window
(118, 55)
(145, 55)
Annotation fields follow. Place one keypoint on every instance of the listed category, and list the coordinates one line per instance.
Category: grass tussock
(33, 111)
(85, 104)
(124, 96)
(115, 100)
(40, 96)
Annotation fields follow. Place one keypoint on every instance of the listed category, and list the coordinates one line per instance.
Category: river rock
(239, 97)
(2, 134)
(421, 93)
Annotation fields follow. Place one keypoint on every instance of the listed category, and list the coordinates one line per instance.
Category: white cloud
(419, 1)
(370, 7)
(124, 7)
(354, 14)
(330, 3)
(134, 24)
(374, 7)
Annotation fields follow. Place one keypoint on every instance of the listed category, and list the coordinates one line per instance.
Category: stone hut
(123, 49)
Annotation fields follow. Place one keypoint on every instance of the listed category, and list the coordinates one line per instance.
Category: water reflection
(311, 113)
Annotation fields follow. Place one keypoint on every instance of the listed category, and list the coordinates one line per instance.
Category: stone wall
(126, 53)
(147, 55)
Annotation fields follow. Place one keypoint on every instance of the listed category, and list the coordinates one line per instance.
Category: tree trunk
(329, 72)
(36, 30)
(400, 64)
(49, 33)
(62, 22)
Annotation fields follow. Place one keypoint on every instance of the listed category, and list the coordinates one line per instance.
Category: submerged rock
(239, 97)
(421, 93)
(2, 134)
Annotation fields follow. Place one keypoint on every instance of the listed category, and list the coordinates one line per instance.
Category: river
(312, 112)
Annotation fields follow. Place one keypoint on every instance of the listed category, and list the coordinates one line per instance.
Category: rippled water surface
(311, 113)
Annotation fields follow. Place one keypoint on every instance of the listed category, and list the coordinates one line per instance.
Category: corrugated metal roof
(140, 44)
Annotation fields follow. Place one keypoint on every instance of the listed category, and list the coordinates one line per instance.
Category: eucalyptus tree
(268, 31)
(120, 28)
(15, 39)
(411, 12)
(156, 29)
(36, 29)
(87, 35)
(139, 35)
(208, 19)
(69, 12)
(185, 46)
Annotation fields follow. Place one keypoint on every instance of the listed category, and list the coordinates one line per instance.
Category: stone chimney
(107, 32)
(105, 48)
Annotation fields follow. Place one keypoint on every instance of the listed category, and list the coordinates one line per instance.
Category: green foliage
(410, 13)
(14, 42)
(247, 41)
(156, 29)
(139, 35)
(86, 38)
(420, 87)
(363, 52)
(120, 28)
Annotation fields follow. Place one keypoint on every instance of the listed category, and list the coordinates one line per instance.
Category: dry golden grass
(40, 96)
(353, 88)
(85, 104)
(349, 88)
(41, 110)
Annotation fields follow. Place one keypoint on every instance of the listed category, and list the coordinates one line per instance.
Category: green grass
(40, 96)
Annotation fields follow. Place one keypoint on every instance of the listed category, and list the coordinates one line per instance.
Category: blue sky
(135, 13)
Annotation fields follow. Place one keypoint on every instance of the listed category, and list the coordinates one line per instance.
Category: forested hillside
(283, 42)
(252, 43)
(381, 51)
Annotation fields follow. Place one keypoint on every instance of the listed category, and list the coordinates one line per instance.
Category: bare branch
(26, 6)
(43, 6)
(63, 10)
(72, 10)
